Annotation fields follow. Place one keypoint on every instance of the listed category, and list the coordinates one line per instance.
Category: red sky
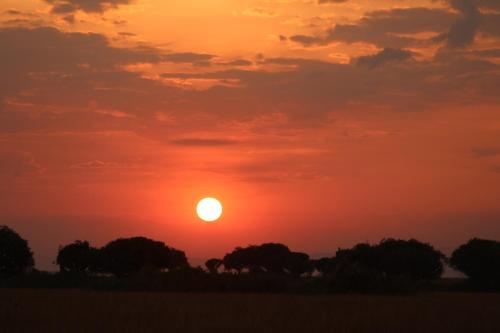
(317, 124)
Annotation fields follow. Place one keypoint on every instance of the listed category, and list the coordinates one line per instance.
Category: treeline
(139, 263)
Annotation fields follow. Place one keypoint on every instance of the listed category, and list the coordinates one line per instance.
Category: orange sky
(317, 124)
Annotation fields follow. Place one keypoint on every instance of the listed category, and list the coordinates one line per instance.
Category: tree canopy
(391, 264)
(78, 257)
(479, 259)
(269, 257)
(15, 254)
(393, 258)
(124, 256)
(213, 265)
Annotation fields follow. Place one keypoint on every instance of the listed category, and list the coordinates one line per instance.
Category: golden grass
(87, 311)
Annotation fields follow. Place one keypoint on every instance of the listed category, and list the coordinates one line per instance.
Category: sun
(209, 209)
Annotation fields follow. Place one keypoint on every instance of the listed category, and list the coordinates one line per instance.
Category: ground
(89, 311)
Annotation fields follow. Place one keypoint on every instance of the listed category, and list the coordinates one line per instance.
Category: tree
(393, 258)
(236, 260)
(359, 263)
(269, 257)
(410, 258)
(126, 256)
(298, 263)
(176, 259)
(15, 254)
(213, 265)
(479, 259)
(326, 266)
(77, 257)
(361, 255)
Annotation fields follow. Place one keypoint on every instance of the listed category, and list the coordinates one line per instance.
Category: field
(87, 311)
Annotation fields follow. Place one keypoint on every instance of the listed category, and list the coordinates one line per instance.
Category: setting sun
(209, 209)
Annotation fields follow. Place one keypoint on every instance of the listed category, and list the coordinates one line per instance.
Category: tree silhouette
(326, 266)
(125, 256)
(236, 260)
(213, 265)
(392, 258)
(479, 259)
(410, 258)
(77, 257)
(176, 258)
(15, 255)
(363, 254)
(269, 257)
(298, 263)
(357, 265)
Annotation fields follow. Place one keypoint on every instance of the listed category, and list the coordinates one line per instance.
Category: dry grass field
(87, 311)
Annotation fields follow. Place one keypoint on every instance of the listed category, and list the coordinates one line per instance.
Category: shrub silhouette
(269, 257)
(392, 258)
(177, 259)
(78, 257)
(298, 263)
(126, 256)
(326, 266)
(410, 258)
(15, 254)
(392, 265)
(361, 255)
(213, 265)
(479, 259)
(356, 269)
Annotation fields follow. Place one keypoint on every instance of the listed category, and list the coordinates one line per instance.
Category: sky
(317, 123)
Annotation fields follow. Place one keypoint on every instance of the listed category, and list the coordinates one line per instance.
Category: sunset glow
(319, 124)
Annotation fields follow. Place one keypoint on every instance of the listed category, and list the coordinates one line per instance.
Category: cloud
(483, 4)
(49, 49)
(80, 60)
(485, 152)
(98, 166)
(236, 62)
(198, 59)
(490, 24)
(15, 12)
(307, 90)
(463, 30)
(331, 1)
(493, 53)
(275, 167)
(385, 28)
(307, 40)
(69, 18)
(90, 78)
(95, 164)
(259, 12)
(398, 27)
(199, 142)
(16, 164)
(387, 55)
(471, 21)
(72, 77)
(65, 7)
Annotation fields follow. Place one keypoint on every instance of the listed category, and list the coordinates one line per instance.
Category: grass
(88, 311)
